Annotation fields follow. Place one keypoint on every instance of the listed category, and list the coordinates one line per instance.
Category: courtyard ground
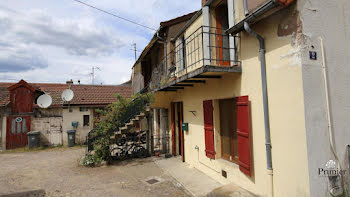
(56, 172)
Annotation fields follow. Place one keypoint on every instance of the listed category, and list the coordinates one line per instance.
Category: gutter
(252, 17)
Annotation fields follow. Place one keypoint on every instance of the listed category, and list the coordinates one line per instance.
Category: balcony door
(222, 40)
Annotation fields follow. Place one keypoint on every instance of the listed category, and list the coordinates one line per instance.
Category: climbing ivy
(114, 116)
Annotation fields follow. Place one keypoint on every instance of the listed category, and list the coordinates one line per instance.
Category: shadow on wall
(36, 193)
(278, 30)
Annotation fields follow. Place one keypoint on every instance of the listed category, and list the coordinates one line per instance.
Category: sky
(52, 41)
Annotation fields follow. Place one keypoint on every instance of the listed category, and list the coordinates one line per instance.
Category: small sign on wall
(313, 55)
(19, 119)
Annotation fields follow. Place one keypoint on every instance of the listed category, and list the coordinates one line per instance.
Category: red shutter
(209, 128)
(243, 134)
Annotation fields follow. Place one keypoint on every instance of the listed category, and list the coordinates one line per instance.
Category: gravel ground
(57, 172)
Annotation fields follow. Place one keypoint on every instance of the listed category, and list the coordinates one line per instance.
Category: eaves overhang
(253, 17)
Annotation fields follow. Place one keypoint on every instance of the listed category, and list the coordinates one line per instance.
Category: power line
(122, 18)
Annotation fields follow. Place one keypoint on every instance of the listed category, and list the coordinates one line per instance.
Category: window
(24, 125)
(181, 53)
(13, 126)
(229, 150)
(83, 109)
(19, 127)
(235, 132)
(86, 120)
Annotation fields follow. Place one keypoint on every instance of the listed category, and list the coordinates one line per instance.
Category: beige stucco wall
(286, 116)
(194, 47)
(81, 131)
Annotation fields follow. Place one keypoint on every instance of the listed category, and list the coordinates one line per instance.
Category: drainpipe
(266, 105)
(245, 5)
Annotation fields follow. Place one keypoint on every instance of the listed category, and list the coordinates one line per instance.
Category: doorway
(16, 131)
(178, 146)
(222, 40)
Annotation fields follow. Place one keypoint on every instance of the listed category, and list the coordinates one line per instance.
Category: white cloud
(77, 37)
(54, 41)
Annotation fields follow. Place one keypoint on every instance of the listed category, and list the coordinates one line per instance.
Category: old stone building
(20, 114)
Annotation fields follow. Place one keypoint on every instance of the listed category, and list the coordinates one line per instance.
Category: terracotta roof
(178, 19)
(164, 24)
(83, 94)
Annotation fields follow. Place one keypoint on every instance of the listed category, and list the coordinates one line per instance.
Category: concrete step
(129, 123)
(141, 115)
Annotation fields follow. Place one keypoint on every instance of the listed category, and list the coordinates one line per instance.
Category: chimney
(204, 2)
(69, 82)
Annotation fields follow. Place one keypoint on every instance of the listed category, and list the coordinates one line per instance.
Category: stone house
(20, 114)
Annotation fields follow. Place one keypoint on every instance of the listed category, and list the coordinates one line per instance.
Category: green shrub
(113, 117)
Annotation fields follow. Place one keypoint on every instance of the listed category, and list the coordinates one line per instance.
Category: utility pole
(93, 74)
(135, 50)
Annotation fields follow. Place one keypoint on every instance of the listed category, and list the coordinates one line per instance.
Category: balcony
(206, 52)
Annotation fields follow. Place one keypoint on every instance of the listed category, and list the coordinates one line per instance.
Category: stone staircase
(132, 123)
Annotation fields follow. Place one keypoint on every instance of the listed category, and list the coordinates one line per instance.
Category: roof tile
(83, 94)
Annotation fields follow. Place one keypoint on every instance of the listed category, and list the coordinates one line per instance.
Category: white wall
(330, 20)
(76, 115)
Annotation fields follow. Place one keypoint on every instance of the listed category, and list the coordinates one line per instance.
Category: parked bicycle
(129, 150)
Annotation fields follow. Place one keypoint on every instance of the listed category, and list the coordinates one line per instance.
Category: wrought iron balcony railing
(205, 46)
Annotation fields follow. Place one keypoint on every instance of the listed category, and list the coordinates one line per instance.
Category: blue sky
(57, 40)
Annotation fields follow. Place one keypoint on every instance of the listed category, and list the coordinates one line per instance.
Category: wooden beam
(182, 85)
(167, 90)
(208, 76)
(175, 88)
(192, 81)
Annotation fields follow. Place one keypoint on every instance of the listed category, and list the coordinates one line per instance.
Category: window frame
(83, 109)
(231, 158)
(88, 122)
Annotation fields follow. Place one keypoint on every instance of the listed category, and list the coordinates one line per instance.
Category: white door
(55, 137)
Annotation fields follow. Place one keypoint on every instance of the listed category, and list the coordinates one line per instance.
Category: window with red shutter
(209, 128)
(243, 134)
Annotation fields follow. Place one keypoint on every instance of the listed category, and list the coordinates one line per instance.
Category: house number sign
(19, 119)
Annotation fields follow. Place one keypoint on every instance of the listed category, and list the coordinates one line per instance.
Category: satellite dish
(44, 101)
(67, 95)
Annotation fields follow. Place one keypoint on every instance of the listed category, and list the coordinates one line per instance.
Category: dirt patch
(57, 172)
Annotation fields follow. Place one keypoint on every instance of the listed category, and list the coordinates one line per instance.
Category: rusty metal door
(16, 132)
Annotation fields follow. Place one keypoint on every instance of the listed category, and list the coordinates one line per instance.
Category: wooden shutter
(243, 134)
(209, 128)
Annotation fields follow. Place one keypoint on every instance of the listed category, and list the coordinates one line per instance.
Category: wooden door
(16, 132)
(182, 138)
(222, 40)
(55, 130)
(173, 129)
